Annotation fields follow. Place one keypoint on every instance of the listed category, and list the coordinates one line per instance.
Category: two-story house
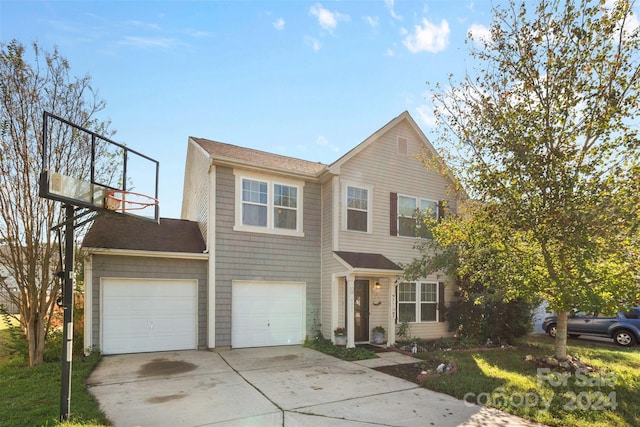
(290, 246)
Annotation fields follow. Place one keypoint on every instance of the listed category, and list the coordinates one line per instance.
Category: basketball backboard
(100, 174)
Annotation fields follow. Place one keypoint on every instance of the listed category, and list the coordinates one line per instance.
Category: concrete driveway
(276, 386)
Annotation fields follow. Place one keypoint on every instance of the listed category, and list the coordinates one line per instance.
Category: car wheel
(552, 330)
(624, 338)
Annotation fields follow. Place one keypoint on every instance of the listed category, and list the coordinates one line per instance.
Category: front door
(361, 321)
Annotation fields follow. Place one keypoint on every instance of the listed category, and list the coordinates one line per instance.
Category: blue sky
(304, 79)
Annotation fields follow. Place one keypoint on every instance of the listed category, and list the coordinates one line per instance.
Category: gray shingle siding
(268, 257)
(134, 267)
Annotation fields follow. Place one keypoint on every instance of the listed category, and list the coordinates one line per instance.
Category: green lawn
(31, 396)
(4, 325)
(504, 379)
(501, 378)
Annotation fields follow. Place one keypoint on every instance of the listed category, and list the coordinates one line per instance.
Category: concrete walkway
(276, 386)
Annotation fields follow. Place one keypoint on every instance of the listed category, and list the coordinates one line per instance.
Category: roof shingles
(233, 153)
(117, 231)
(369, 261)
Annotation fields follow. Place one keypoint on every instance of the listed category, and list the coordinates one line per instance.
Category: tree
(492, 268)
(27, 88)
(547, 143)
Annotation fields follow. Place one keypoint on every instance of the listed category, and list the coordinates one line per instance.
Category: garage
(144, 315)
(267, 313)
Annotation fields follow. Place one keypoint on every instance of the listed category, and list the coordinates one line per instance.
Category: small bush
(495, 320)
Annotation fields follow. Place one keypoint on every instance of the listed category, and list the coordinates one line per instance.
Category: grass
(6, 322)
(326, 346)
(501, 378)
(504, 379)
(30, 396)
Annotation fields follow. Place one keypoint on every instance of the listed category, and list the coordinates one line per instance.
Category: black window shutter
(440, 210)
(393, 214)
(441, 302)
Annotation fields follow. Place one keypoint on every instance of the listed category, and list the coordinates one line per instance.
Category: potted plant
(341, 336)
(378, 335)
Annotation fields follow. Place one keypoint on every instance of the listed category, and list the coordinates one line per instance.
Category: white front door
(267, 314)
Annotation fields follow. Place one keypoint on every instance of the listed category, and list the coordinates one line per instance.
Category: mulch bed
(373, 348)
(407, 371)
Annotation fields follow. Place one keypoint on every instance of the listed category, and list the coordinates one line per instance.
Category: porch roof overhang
(367, 263)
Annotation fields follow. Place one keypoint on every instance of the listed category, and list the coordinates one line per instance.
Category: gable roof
(111, 231)
(221, 152)
(404, 116)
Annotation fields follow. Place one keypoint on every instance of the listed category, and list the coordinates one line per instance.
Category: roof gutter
(144, 253)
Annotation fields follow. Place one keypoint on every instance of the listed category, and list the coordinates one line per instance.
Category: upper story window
(268, 205)
(358, 211)
(285, 206)
(410, 213)
(254, 202)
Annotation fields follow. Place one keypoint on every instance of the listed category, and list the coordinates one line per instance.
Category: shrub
(490, 319)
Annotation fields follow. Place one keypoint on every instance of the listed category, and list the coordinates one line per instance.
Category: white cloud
(374, 21)
(479, 33)
(145, 25)
(313, 43)
(278, 24)
(323, 142)
(326, 18)
(426, 116)
(390, 5)
(150, 42)
(428, 37)
(631, 23)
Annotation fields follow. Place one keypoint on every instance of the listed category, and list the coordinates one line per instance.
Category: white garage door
(148, 315)
(267, 314)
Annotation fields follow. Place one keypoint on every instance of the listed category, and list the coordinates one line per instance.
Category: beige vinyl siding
(434, 330)
(381, 167)
(195, 195)
(379, 313)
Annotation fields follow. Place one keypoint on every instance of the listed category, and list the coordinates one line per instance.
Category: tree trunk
(561, 336)
(35, 338)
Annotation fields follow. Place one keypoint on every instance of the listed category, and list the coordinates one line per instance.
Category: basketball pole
(67, 303)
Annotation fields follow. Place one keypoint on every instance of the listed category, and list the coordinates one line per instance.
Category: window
(357, 209)
(407, 302)
(268, 206)
(428, 302)
(254, 203)
(410, 210)
(285, 204)
(418, 302)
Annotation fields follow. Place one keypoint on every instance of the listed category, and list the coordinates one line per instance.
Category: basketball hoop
(123, 201)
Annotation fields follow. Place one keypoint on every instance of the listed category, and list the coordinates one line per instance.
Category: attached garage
(143, 315)
(267, 313)
(146, 285)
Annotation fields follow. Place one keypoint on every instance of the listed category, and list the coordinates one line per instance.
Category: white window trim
(418, 203)
(418, 303)
(345, 195)
(271, 182)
